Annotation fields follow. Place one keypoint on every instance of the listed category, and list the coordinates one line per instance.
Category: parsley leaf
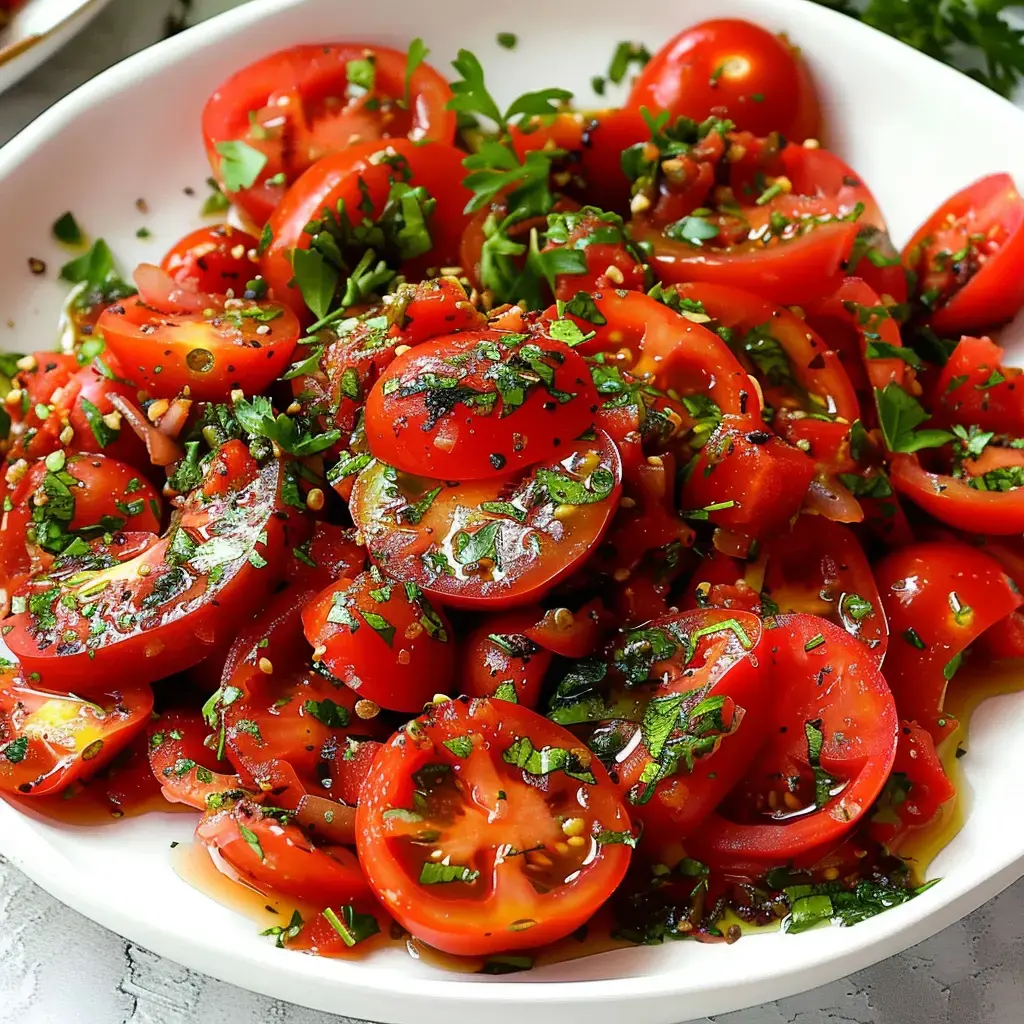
(240, 165)
(899, 414)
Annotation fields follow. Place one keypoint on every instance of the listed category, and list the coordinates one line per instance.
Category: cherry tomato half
(531, 834)
(214, 260)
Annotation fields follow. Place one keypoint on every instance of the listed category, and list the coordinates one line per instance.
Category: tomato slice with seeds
(831, 740)
(486, 828)
(275, 857)
(168, 608)
(975, 388)
(509, 539)
(49, 740)
(298, 105)
(479, 404)
(382, 638)
(939, 598)
(212, 352)
(214, 260)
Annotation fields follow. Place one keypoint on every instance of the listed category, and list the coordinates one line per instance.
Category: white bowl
(132, 133)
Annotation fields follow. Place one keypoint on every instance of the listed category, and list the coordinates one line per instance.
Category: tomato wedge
(832, 733)
(297, 105)
(165, 610)
(189, 772)
(49, 740)
(508, 539)
(939, 598)
(975, 388)
(485, 828)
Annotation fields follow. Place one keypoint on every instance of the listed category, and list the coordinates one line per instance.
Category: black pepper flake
(759, 437)
(36, 266)
(497, 460)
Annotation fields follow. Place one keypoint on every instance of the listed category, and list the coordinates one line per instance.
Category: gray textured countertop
(56, 967)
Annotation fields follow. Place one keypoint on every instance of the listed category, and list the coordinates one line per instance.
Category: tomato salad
(520, 513)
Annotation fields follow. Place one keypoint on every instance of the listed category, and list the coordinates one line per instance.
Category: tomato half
(735, 69)
(939, 598)
(275, 857)
(382, 638)
(300, 104)
(527, 837)
(165, 610)
(479, 404)
(214, 259)
(361, 180)
(509, 539)
(975, 388)
(832, 734)
(212, 353)
(965, 257)
(49, 740)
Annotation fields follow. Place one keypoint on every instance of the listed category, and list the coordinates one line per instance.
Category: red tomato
(382, 638)
(189, 771)
(965, 257)
(362, 177)
(488, 783)
(570, 634)
(165, 610)
(831, 731)
(282, 723)
(703, 700)
(976, 389)
(499, 659)
(214, 260)
(275, 857)
(1006, 639)
(735, 69)
(939, 598)
(307, 102)
(351, 768)
(593, 143)
(49, 740)
(508, 539)
(918, 791)
(479, 404)
(969, 507)
(328, 555)
(211, 353)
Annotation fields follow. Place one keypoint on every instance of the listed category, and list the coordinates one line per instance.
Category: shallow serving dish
(133, 134)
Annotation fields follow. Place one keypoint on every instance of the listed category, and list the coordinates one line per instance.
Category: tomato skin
(993, 291)
(405, 429)
(364, 655)
(1005, 640)
(209, 355)
(927, 790)
(536, 549)
(290, 864)
(155, 618)
(517, 660)
(437, 166)
(722, 665)
(944, 596)
(64, 737)
(858, 722)
(334, 553)
(214, 260)
(956, 503)
(350, 770)
(963, 392)
(187, 770)
(475, 917)
(297, 86)
(735, 69)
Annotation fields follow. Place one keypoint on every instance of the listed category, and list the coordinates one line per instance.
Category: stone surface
(56, 967)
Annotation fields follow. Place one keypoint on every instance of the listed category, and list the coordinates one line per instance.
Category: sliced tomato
(49, 740)
(274, 856)
(329, 554)
(509, 539)
(527, 835)
(832, 732)
(363, 178)
(964, 257)
(211, 353)
(298, 105)
(975, 388)
(165, 610)
(351, 768)
(1005, 640)
(732, 68)
(499, 659)
(188, 770)
(939, 598)
(216, 260)
(478, 405)
(382, 638)
(918, 793)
